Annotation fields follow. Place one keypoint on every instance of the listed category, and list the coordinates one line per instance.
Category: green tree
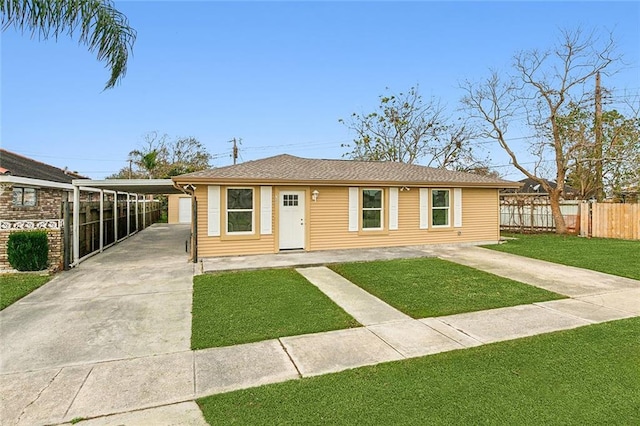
(151, 157)
(407, 129)
(542, 88)
(97, 24)
(620, 151)
(186, 155)
(161, 158)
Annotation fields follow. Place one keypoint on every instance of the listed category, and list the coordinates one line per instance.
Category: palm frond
(96, 23)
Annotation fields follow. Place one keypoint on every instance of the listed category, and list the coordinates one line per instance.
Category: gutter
(319, 182)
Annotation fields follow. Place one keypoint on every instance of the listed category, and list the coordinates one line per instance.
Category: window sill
(373, 232)
(441, 228)
(239, 237)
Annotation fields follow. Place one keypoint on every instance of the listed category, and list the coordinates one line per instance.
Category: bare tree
(407, 129)
(540, 91)
(453, 150)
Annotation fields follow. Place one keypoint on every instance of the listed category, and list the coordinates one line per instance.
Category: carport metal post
(116, 214)
(76, 225)
(137, 224)
(144, 212)
(101, 220)
(66, 243)
(128, 215)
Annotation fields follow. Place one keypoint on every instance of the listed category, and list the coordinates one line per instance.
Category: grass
(616, 257)
(243, 307)
(433, 287)
(588, 375)
(14, 287)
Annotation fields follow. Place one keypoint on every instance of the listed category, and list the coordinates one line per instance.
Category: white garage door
(184, 210)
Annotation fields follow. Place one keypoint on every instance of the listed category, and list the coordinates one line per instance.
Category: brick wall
(48, 206)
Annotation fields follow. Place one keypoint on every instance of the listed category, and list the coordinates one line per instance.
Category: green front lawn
(15, 286)
(589, 375)
(434, 287)
(243, 307)
(617, 257)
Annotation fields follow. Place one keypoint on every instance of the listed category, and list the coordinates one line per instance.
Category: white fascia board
(35, 182)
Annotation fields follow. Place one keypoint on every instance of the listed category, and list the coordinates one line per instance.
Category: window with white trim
(240, 212)
(24, 197)
(440, 207)
(372, 212)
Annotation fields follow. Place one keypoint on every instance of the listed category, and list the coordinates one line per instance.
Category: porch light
(314, 195)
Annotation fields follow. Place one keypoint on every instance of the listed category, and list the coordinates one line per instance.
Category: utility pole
(598, 141)
(235, 150)
(130, 160)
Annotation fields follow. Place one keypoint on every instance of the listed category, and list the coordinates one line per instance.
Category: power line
(38, 155)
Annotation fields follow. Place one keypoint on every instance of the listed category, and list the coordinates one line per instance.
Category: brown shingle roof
(295, 170)
(17, 165)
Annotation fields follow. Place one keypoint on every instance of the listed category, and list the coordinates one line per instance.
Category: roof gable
(17, 165)
(290, 169)
(530, 186)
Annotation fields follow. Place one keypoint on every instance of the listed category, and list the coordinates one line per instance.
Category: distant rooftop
(16, 165)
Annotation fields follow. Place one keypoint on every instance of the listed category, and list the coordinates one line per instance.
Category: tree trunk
(554, 197)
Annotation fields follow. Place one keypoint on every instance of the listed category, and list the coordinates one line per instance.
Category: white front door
(291, 229)
(184, 210)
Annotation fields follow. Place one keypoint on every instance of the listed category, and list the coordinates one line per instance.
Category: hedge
(28, 250)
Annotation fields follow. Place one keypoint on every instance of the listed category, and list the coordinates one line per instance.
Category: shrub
(28, 250)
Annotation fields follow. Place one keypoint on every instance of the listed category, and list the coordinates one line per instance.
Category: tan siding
(172, 208)
(329, 222)
(480, 214)
(217, 246)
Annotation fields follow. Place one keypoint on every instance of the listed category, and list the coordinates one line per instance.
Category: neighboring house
(290, 203)
(179, 208)
(31, 197)
(531, 188)
(528, 208)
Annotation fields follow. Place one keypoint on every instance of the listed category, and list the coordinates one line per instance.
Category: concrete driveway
(132, 300)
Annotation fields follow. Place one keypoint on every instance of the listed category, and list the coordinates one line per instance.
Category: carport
(135, 194)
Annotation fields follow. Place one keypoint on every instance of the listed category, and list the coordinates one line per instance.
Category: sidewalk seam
(386, 343)
(566, 314)
(449, 337)
(193, 366)
(284, 348)
(462, 331)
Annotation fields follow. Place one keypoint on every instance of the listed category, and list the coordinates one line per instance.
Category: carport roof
(134, 186)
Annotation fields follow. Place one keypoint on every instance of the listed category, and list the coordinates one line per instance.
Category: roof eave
(323, 182)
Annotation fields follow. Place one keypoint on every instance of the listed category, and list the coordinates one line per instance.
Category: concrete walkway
(157, 385)
(364, 307)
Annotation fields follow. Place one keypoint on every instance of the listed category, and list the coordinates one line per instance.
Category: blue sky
(279, 75)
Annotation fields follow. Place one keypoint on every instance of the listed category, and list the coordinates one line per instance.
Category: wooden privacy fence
(608, 220)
